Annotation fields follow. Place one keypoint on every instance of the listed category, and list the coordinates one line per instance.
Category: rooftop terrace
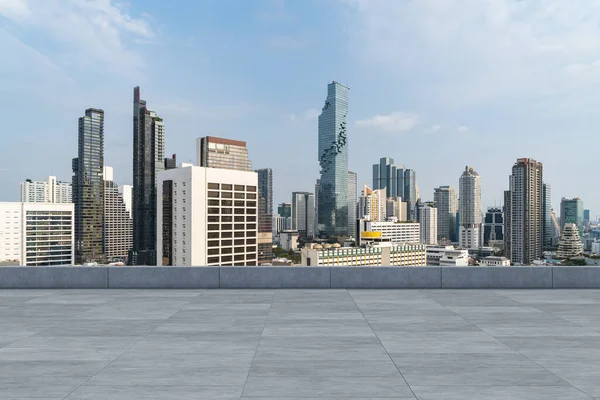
(300, 344)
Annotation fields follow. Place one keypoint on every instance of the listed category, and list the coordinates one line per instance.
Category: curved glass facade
(333, 160)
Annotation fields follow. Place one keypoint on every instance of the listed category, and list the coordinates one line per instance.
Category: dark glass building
(88, 188)
(493, 225)
(265, 188)
(148, 159)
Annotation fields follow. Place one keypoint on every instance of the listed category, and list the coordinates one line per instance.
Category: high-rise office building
(372, 204)
(333, 160)
(207, 216)
(493, 225)
(215, 152)
(118, 224)
(586, 215)
(148, 160)
(171, 163)
(36, 234)
(524, 212)
(397, 208)
(507, 218)
(469, 206)
(88, 187)
(389, 176)
(352, 202)
(265, 232)
(265, 188)
(548, 238)
(446, 200)
(571, 212)
(428, 218)
(285, 210)
(303, 214)
(50, 191)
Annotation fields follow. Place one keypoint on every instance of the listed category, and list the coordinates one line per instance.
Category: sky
(434, 84)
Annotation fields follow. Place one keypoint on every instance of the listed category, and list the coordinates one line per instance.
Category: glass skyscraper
(333, 160)
(571, 211)
(148, 159)
(88, 187)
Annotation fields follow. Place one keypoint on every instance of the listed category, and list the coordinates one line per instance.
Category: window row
(212, 194)
(228, 186)
(236, 242)
(229, 227)
(229, 218)
(225, 259)
(227, 235)
(229, 203)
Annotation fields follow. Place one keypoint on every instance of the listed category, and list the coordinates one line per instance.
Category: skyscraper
(571, 212)
(570, 245)
(265, 188)
(352, 206)
(215, 152)
(50, 191)
(525, 215)
(88, 187)
(446, 200)
(389, 176)
(586, 215)
(410, 193)
(469, 206)
(148, 160)
(118, 224)
(333, 160)
(493, 225)
(428, 218)
(548, 239)
(303, 214)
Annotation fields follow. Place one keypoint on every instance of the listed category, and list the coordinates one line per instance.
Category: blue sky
(435, 84)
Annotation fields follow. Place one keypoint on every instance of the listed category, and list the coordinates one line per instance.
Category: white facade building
(117, 232)
(395, 207)
(207, 216)
(428, 224)
(469, 209)
(372, 204)
(385, 254)
(36, 234)
(388, 231)
(596, 247)
(455, 258)
(288, 240)
(495, 261)
(50, 191)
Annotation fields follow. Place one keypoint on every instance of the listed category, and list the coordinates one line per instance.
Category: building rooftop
(300, 344)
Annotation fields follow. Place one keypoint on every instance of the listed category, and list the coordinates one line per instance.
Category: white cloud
(87, 33)
(481, 50)
(394, 122)
(435, 128)
(462, 128)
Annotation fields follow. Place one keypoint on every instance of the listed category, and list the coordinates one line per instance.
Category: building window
(251, 188)
(239, 195)
(225, 227)
(213, 186)
(212, 260)
(226, 242)
(239, 234)
(228, 203)
(213, 202)
(226, 186)
(251, 196)
(213, 194)
(239, 226)
(226, 195)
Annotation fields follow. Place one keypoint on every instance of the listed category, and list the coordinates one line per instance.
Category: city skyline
(379, 118)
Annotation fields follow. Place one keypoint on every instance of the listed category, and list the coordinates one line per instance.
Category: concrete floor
(300, 344)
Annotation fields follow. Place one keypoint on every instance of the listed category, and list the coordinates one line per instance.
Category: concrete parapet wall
(298, 277)
(275, 277)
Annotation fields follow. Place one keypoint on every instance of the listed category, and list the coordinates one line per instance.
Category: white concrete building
(207, 216)
(388, 231)
(385, 254)
(288, 240)
(435, 253)
(455, 258)
(117, 232)
(428, 220)
(495, 261)
(596, 247)
(469, 209)
(36, 234)
(49, 191)
(372, 204)
(395, 207)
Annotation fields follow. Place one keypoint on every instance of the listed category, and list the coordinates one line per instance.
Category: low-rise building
(388, 231)
(495, 261)
(385, 254)
(455, 258)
